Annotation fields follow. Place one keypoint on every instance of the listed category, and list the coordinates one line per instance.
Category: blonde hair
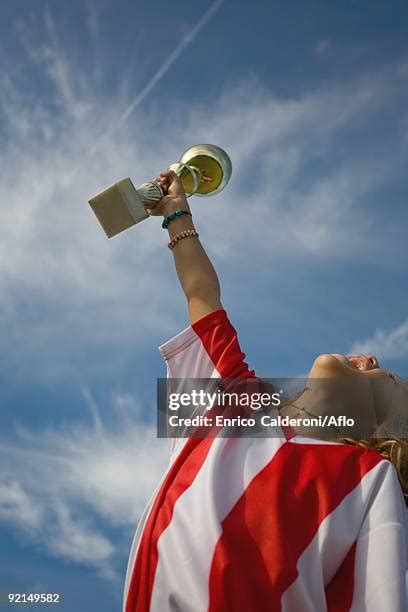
(393, 449)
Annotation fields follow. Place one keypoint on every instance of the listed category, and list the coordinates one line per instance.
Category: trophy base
(118, 207)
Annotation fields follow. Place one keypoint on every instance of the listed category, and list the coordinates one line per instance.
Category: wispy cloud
(17, 506)
(63, 286)
(62, 488)
(386, 344)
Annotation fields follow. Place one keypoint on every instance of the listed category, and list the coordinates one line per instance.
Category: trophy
(203, 169)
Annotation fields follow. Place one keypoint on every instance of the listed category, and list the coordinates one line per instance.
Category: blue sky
(309, 238)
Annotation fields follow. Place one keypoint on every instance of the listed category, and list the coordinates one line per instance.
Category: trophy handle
(191, 177)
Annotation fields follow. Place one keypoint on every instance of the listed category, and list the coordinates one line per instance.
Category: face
(334, 365)
(373, 393)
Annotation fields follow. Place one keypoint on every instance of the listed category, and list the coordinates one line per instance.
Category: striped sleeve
(381, 549)
(370, 522)
(207, 349)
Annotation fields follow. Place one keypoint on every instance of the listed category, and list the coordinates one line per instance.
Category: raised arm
(196, 273)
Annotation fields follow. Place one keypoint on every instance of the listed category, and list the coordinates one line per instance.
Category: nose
(373, 361)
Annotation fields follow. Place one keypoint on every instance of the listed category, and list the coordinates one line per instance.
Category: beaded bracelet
(173, 215)
(185, 234)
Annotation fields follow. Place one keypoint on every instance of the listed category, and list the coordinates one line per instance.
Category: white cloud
(17, 506)
(57, 484)
(64, 286)
(386, 344)
(75, 541)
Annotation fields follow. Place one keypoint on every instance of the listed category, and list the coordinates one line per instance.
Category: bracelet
(173, 215)
(186, 234)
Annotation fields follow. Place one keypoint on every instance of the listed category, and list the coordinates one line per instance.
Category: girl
(262, 524)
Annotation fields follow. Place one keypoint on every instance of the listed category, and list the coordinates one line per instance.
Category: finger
(160, 179)
(176, 186)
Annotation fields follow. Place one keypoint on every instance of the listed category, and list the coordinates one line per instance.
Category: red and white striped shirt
(265, 524)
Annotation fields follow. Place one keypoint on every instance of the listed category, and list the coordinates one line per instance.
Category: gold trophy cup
(204, 171)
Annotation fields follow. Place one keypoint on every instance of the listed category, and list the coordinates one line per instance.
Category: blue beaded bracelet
(173, 215)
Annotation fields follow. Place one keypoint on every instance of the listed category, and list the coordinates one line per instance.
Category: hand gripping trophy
(203, 169)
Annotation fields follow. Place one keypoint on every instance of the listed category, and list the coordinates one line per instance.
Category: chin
(331, 365)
